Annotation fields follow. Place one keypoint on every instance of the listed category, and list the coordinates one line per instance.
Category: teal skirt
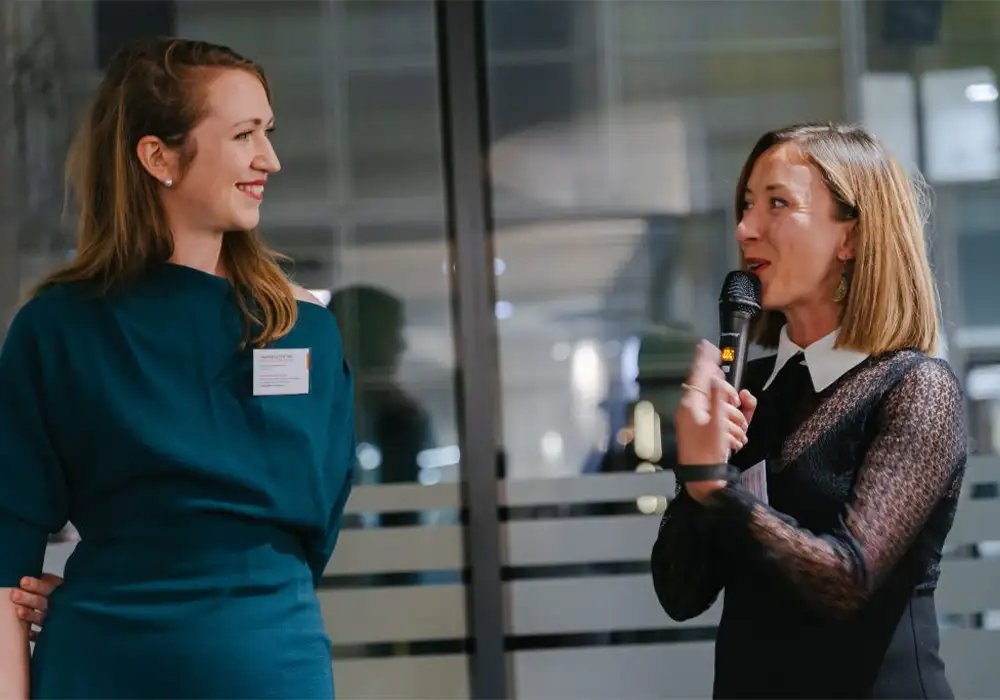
(178, 617)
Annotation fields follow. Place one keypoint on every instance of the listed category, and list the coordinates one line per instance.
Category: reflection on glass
(393, 430)
(617, 132)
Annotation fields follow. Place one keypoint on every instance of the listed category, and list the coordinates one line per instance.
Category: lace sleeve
(683, 562)
(918, 454)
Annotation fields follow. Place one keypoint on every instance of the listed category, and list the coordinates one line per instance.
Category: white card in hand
(754, 480)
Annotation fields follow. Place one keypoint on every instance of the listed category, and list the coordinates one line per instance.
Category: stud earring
(168, 182)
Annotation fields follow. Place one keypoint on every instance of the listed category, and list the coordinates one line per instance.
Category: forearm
(683, 560)
(14, 651)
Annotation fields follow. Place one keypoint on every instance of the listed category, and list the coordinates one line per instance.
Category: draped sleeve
(340, 464)
(33, 498)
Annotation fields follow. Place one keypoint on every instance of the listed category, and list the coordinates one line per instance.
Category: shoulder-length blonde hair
(892, 302)
(157, 87)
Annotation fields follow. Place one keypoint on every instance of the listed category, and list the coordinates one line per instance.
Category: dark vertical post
(465, 133)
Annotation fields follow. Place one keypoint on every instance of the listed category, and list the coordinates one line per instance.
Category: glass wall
(616, 129)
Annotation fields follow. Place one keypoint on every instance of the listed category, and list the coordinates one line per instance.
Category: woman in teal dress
(181, 402)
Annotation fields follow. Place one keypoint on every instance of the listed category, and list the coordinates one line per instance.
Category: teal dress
(207, 513)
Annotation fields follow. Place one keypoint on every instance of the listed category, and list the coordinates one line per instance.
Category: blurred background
(520, 212)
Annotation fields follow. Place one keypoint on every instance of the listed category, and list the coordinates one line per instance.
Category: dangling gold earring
(840, 293)
(844, 285)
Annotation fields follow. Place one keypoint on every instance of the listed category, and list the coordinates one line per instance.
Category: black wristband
(703, 472)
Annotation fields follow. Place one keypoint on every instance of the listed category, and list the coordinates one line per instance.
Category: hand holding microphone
(735, 409)
(714, 414)
(711, 422)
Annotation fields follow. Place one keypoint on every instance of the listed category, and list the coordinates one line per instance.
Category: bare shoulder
(302, 294)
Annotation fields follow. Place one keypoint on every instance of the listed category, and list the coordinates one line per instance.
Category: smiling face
(222, 187)
(790, 234)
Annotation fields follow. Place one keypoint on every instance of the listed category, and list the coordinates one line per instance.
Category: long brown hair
(893, 302)
(157, 87)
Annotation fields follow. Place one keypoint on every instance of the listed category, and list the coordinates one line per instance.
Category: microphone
(739, 303)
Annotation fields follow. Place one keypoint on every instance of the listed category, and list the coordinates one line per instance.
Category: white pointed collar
(826, 363)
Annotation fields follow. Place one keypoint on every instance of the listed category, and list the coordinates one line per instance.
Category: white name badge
(283, 372)
(754, 480)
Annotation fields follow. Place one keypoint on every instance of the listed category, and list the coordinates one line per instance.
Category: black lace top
(863, 484)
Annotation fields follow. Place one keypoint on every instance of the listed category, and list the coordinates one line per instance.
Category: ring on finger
(692, 387)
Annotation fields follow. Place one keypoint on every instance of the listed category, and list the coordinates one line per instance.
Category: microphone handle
(733, 342)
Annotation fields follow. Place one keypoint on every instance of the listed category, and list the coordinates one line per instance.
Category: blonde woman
(178, 399)
(829, 570)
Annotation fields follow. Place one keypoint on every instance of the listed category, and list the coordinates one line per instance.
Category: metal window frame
(465, 138)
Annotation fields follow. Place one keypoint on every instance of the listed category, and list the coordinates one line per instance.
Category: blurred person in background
(388, 418)
(173, 394)
(830, 566)
(391, 425)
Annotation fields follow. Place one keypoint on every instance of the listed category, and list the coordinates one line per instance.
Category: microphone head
(741, 292)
